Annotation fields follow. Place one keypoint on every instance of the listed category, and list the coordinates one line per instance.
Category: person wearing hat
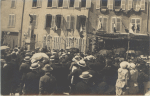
(31, 81)
(25, 66)
(122, 81)
(60, 73)
(84, 86)
(47, 83)
(133, 85)
(6, 75)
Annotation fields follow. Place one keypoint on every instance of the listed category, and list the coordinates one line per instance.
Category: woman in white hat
(122, 81)
(133, 85)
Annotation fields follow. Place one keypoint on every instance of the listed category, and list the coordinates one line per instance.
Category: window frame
(36, 4)
(70, 3)
(102, 2)
(56, 16)
(14, 4)
(58, 4)
(36, 24)
(103, 22)
(136, 23)
(82, 3)
(48, 3)
(10, 20)
(50, 22)
(116, 24)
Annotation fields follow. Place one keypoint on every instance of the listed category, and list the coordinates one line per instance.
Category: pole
(22, 22)
(128, 47)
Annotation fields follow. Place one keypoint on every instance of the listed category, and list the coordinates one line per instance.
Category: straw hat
(132, 65)
(34, 66)
(52, 58)
(27, 58)
(85, 75)
(47, 67)
(81, 63)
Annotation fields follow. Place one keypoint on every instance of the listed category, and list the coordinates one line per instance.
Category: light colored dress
(123, 76)
(133, 85)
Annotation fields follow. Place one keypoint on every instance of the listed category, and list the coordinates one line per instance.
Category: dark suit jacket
(31, 81)
(47, 84)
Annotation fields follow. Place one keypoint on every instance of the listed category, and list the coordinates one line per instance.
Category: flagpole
(128, 46)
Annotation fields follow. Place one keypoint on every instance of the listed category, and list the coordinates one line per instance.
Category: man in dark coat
(31, 80)
(60, 73)
(84, 86)
(47, 84)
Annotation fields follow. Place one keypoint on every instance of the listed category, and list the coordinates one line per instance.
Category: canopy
(39, 56)
(4, 47)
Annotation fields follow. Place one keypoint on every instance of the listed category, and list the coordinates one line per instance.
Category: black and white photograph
(75, 47)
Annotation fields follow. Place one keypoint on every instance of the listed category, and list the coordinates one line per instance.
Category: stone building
(111, 21)
(57, 23)
(11, 18)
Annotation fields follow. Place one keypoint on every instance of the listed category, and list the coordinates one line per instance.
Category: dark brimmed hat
(47, 67)
(34, 66)
(85, 75)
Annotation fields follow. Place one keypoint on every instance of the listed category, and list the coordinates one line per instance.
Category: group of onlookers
(73, 72)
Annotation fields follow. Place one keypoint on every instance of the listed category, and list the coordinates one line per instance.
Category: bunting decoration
(81, 29)
(131, 29)
(99, 26)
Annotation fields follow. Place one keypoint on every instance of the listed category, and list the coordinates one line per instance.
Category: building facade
(11, 18)
(57, 23)
(117, 17)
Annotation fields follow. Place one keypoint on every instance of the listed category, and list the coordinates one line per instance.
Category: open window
(48, 20)
(81, 23)
(13, 3)
(60, 3)
(116, 24)
(71, 3)
(117, 4)
(58, 21)
(34, 3)
(104, 3)
(49, 3)
(102, 23)
(136, 23)
(83, 3)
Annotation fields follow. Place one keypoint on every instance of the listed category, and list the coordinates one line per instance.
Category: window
(137, 5)
(71, 3)
(81, 23)
(104, 2)
(49, 3)
(98, 4)
(116, 24)
(11, 20)
(136, 24)
(48, 20)
(70, 42)
(60, 3)
(70, 22)
(34, 21)
(83, 3)
(102, 23)
(13, 5)
(58, 21)
(83, 45)
(76, 42)
(117, 2)
(34, 4)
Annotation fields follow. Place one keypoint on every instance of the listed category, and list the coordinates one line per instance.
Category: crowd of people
(71, 72)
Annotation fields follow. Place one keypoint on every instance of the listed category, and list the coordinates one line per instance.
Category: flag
(99, 26)
(131, 29)
(81, 29)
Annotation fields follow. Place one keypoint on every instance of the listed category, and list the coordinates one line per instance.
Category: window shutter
(123, 4)
(142, 4)
(118, 24)
(36, 21)
(46, 21)
(65, 3)
(88, 3)
(72, 22)
(78, 23)
(104, 26)
(130, 4)
(98, 3)
(110, 4)
(62, 20)
(9, 24)
(54, 3)
(76, 3)
(53, 21)
(113, 21)
(13, 20)
(39, 3)
(68, 21)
